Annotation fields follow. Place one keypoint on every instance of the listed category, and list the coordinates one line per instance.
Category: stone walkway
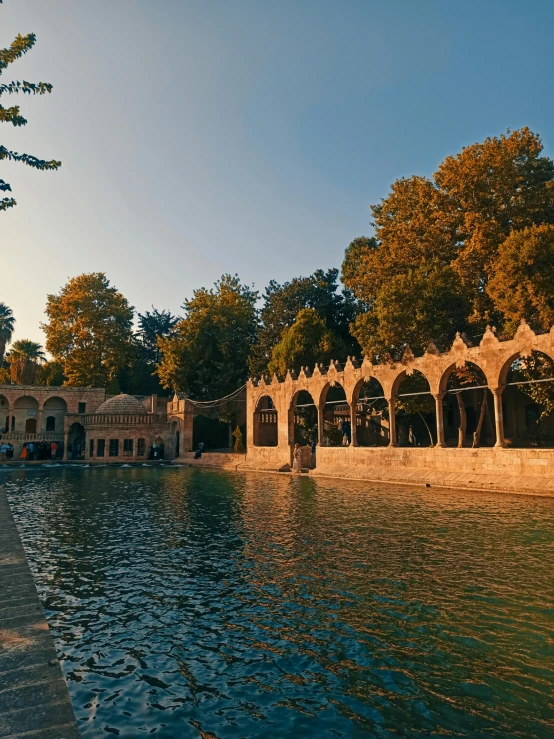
(34, 701)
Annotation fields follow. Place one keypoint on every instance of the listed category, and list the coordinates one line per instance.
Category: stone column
(65, 444)
(10, 419)
(320, 410)
(392, 421)
(498, 417)
(39, 419)
(440, 418)
(353, 427)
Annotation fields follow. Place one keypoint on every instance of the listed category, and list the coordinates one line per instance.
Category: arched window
(31, 426)
(265, 423)
(141, 447)
(51, 423)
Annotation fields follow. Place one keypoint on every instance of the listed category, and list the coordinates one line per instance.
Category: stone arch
(372, 413)
(175, 435)
(415, 412)
(527, 420)
(55, 410)
(25, 408)
(468, 406)
(303, 422)
(265, 422)
(76, 441)
(335, 415)
(4, 413)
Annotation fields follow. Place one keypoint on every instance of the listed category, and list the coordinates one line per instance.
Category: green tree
(7, 324)
(21, 45)
(282, 303)
(459, 219)
(425, 304)
(51, 374)
(154, 325)
(24, 360)
(89, 331)
(304, 343)
(208, 355)
(522, 285)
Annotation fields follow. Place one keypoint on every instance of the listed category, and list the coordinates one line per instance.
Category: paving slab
(34, 701)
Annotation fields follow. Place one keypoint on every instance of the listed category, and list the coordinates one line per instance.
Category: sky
(202, 137)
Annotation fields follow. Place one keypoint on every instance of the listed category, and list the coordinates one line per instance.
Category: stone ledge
(34, 700)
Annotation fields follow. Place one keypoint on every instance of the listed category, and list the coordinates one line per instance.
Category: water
(189, 603)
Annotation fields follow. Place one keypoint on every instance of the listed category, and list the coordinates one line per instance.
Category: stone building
(87, 424)
(124, 428)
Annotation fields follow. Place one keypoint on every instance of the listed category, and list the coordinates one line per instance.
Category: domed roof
(122, 404)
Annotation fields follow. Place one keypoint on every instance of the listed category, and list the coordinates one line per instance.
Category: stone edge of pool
(34, 700)
(454, 480)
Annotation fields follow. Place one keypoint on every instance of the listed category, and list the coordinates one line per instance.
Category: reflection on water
(189, 603)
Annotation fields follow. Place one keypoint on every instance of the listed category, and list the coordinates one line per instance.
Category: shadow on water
(196, 603)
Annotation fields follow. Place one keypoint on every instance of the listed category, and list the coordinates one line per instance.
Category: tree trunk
(428, 429)
(477, 432)
(463, 420)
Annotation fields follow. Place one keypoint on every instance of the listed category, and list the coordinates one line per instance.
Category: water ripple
(188, 603)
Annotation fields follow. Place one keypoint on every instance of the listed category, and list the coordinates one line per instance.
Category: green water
(189, 603)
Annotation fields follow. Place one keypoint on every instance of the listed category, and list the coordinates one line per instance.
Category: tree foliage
(7, 324)
(154, 325)
(24, 360)
(19, 46)
(424, 303)
(282, 303)
(304, 343)
(208, 355)
(89, 331)
(459, 219)
(522, 285)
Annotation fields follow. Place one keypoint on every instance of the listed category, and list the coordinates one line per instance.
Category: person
(9, 452)
(198, 452)
(3, 451)
(30, 451)
(412, 437)
(313, 445)
(297, 459)
(24, 452)
(346, 432)
(53, 450)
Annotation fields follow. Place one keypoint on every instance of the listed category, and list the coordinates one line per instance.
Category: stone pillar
(65, 444)
(10, 419)
(440, 418)
(392, 421)
(498, 417)
(353, 427)
(39, 419)
(320, 409)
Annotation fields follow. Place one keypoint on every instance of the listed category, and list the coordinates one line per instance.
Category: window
(100, 447)
(82, 408)
(141, 447)
(51, 423)
(91, 448)
(127, 447)
(114, 447)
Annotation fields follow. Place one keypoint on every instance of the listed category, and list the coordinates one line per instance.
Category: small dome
(122, 404)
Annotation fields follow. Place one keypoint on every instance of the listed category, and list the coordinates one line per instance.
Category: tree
(304, 343)
(282, 303)
(90, 331)
(24, 360)
(423, 305)
(208, 355)
(21, 45)
(154, 325)
(459, 218)
(7, 323)
(522, 285)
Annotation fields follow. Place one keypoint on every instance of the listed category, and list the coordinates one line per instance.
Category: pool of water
(194, 603)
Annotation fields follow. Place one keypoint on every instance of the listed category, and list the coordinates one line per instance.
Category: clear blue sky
(199, 137)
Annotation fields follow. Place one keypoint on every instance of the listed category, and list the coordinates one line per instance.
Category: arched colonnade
(276, 400)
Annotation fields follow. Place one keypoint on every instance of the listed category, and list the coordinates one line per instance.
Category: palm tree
(24, 359)
(7, 322)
